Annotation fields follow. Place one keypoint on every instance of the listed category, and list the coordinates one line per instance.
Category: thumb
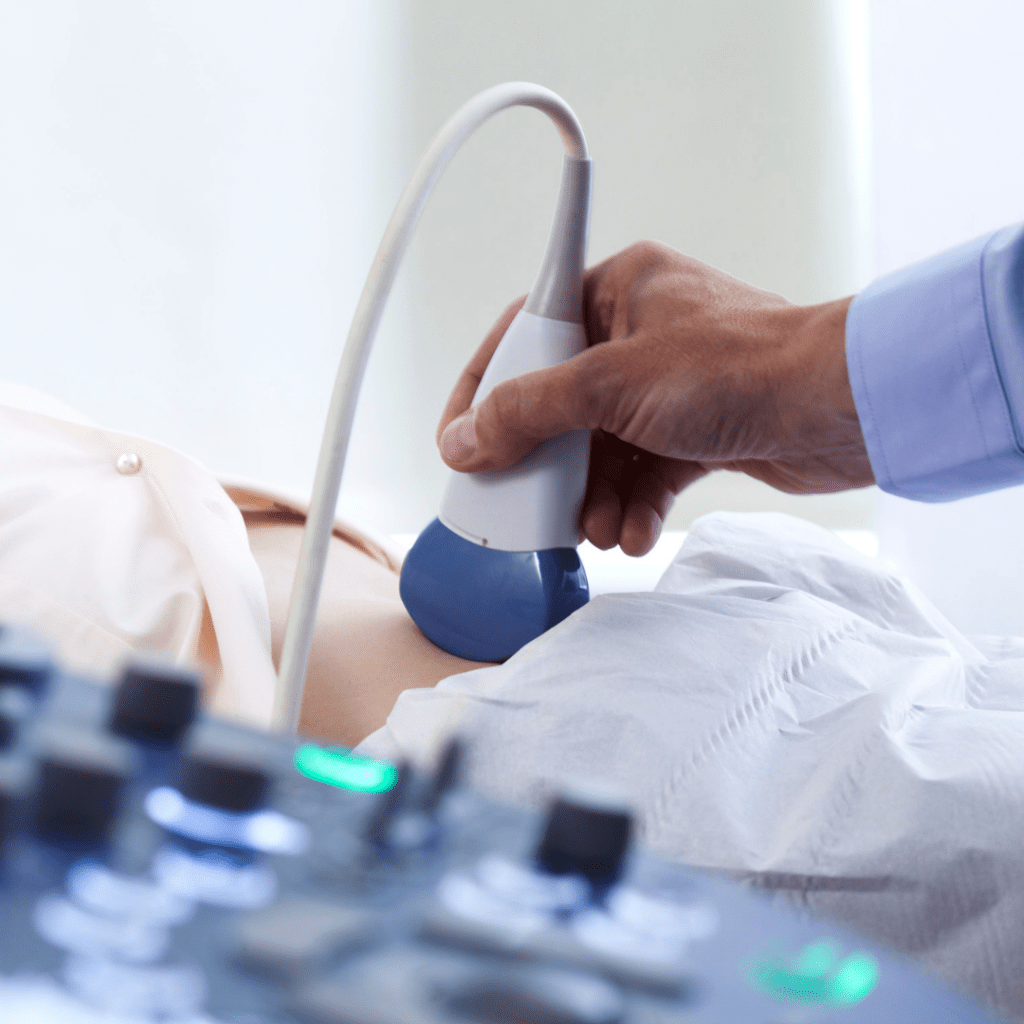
(518, 414)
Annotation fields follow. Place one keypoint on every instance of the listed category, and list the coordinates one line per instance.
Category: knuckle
(588, 384)
(647, 253)
(501, 414)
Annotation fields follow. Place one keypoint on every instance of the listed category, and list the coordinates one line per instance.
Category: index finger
(462, 394)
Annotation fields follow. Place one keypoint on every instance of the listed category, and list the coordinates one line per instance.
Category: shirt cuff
(936, 360)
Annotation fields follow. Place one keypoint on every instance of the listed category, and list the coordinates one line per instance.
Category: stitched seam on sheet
(841, 802)
(893, 593)
(742, 714)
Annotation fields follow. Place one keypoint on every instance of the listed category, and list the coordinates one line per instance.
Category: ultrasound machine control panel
(158, 865)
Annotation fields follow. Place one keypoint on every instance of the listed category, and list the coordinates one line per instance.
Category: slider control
(405, 819)
(388, 807)
(446, 775)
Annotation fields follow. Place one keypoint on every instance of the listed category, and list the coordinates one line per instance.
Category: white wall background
(947, 79)
(191, 194)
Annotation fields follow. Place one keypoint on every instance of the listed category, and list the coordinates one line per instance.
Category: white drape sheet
(788, 710)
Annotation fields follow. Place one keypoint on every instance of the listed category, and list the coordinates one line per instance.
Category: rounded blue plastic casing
(484, 604)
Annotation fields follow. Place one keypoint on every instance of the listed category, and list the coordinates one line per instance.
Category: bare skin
(366, 649)
(688, 370)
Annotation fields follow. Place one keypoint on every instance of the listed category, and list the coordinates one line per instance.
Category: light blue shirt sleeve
(936, 360)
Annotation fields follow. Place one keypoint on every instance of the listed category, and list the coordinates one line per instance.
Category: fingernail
(458, 442)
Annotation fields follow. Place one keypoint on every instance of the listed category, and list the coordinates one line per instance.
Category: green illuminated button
(856, 978)
(817, 974)
(339, 768)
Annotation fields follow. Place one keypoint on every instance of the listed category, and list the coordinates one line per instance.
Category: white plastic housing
(535, 504)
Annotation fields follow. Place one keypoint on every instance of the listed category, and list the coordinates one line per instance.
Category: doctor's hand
(687, 370)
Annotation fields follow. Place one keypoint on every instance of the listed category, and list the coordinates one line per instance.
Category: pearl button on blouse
(128, 464)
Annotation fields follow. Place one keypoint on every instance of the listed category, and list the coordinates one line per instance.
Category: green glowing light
(856, 978)
(816, 974)
(338, 768)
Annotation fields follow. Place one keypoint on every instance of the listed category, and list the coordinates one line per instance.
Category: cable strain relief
(557, 292)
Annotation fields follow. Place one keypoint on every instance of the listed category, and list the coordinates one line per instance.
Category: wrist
(823, 420)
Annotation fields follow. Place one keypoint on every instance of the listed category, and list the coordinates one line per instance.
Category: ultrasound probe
(498, 566)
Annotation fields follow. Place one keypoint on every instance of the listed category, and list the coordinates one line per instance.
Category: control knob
(81, 778)
(155, 701)
(224, 778)
(587, 833)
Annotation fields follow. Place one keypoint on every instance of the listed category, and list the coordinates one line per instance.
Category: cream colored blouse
(112, 543)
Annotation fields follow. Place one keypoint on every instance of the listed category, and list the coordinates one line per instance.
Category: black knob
(24, 660)
(81, 778)
(223, 778)
(586, 833)
(14, 707)
(11, 788)
(155, 701)
(8, 729)
(5, 814)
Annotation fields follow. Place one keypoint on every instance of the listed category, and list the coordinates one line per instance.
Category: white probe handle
(535, 504)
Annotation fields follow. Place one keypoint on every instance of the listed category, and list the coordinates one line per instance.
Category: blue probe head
(484, 604)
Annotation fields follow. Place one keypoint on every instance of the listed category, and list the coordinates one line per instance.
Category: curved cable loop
(305, 596)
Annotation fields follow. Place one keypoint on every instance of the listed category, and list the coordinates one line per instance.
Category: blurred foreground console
(159, 866)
